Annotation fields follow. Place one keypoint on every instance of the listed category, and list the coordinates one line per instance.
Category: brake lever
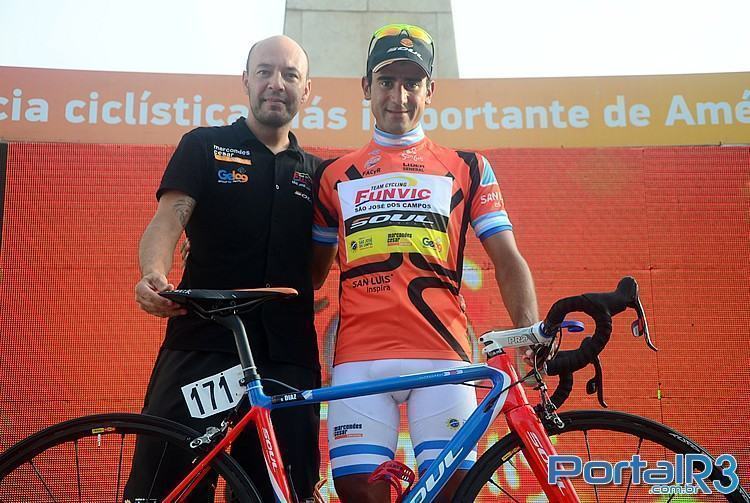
(639, 327)
(595, 384)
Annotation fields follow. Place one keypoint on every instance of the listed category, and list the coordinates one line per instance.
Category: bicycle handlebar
(601, 307)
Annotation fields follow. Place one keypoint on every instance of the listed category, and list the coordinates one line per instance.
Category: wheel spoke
(588, 454)
(627, 490)
(510, 460)
(78, 469)
(630, 481)
(503, 490)
(41, 479)
(119, 468)
(158, 468)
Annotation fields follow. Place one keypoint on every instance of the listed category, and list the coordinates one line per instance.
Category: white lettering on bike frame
(214, 394)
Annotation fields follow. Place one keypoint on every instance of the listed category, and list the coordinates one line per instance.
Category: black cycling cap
(401, 42)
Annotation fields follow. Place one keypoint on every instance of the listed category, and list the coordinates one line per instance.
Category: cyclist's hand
(148, 298)
(527, 354)
(185, 249)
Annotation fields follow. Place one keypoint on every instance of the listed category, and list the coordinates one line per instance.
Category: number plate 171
(214, 394)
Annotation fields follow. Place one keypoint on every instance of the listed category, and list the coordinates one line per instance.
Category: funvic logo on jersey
(234, 176)
(401, 189)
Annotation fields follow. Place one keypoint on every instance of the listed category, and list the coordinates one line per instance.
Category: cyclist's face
(399, 93)
(276, 81)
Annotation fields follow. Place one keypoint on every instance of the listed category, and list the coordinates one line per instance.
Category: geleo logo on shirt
(234, 176)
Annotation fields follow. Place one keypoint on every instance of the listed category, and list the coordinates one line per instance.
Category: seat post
(234, 323)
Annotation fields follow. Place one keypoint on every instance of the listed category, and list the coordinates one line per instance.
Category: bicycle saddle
(224, 302)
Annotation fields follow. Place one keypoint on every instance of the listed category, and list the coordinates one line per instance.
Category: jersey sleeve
(325, 214)
(186, 169)
(488, 215)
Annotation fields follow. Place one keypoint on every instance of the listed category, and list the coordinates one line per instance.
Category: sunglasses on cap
(391, 30)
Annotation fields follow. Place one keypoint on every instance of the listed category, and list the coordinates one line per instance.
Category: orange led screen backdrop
(676, 218)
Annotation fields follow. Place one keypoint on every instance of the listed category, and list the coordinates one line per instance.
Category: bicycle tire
(513, 481)
(33, 469)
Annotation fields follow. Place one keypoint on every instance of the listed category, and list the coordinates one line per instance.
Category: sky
(527, 38)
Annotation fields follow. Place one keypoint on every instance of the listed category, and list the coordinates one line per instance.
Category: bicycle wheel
(88, 459)
(502, 473)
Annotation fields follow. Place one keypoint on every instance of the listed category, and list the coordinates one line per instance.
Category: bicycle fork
(536, 445)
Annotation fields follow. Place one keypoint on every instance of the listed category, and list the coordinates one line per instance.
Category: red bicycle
(566, 457)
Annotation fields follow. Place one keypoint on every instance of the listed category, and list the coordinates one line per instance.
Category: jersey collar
(398, 140)
(246, 135)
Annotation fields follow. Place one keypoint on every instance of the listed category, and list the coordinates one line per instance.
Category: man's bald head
(276, 81)
(282, 44)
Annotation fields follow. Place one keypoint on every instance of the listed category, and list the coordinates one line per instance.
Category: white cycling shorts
(363, 431)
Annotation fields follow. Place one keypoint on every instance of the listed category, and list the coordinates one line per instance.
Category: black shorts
(297, 428)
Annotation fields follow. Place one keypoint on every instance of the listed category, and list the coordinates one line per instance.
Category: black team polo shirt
(251, 228)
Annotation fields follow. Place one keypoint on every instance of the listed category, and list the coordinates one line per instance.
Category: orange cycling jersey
(399, 209)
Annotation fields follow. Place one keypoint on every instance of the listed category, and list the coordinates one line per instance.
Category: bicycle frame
(504, 397)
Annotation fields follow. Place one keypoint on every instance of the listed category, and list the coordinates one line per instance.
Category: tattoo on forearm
(183, 207)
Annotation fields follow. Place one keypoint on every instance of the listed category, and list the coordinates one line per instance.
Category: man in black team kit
(243, 194)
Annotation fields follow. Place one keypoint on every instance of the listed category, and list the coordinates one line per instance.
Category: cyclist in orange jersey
(395, 212)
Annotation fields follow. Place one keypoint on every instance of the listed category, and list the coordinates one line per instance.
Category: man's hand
(147, 295)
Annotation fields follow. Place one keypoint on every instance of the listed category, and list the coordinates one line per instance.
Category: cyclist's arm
(156, 251)
(324, 229)
(322, 259)
(513, 278)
